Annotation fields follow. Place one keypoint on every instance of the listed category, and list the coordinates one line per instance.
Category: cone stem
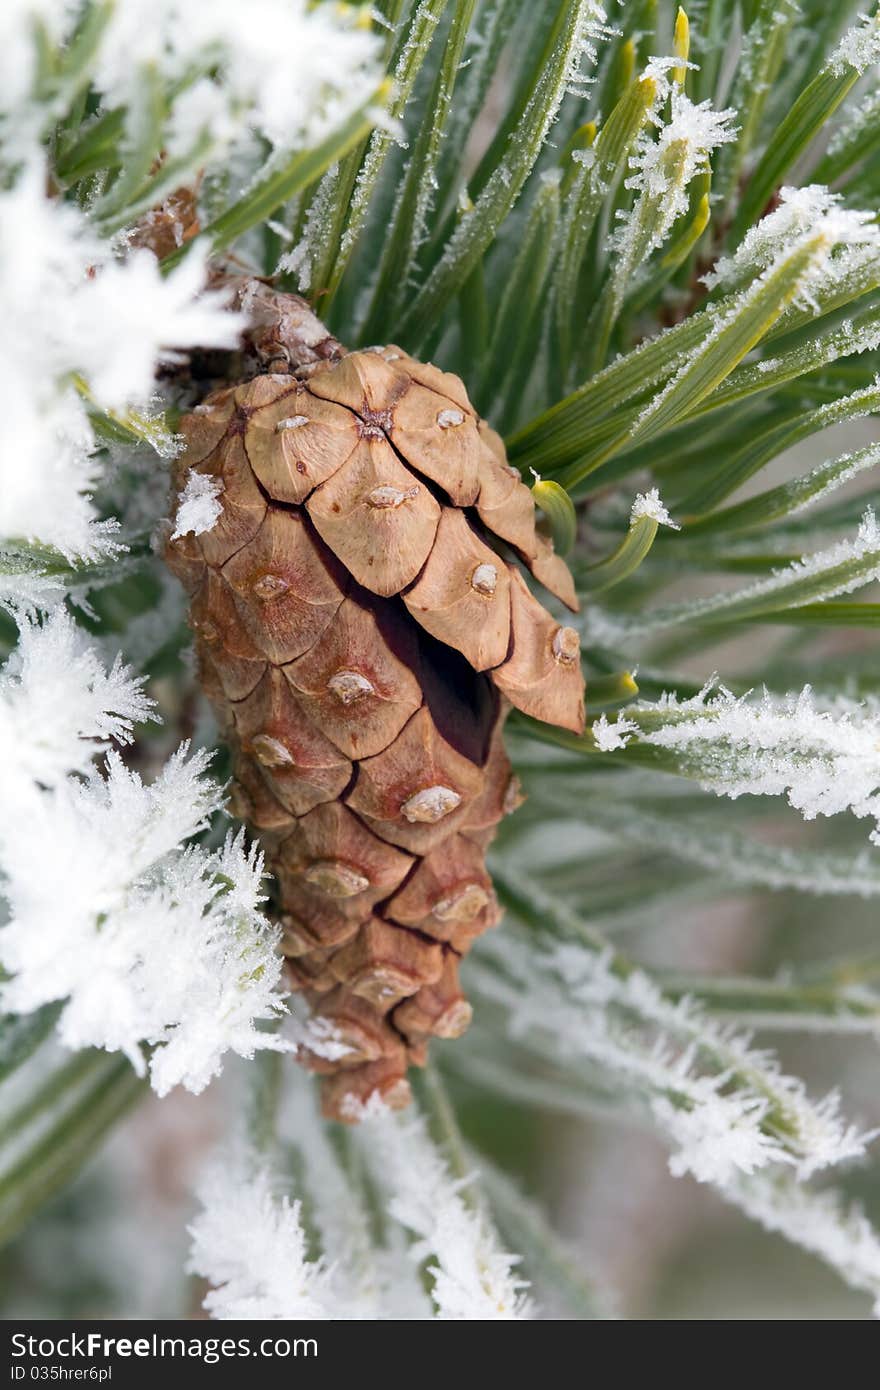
(284, 334)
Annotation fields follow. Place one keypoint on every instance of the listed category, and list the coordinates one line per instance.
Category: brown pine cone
(362, 628)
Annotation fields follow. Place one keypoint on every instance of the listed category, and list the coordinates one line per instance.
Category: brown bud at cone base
(362, 627)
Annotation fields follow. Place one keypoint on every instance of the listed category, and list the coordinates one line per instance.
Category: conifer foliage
(487, 349)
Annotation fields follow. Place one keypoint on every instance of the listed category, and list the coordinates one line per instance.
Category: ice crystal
(111, 322)
(572, 1004)
(859, 49)
(800, 213)
(472, 1278)
(663, 167)
(144, 940)
(824, 761)
(649, 504)
(249, 1243)
(199, 506)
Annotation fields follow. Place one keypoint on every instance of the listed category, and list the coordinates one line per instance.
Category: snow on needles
(287, 69)
(859, 49)
(718, 1101)
(73, 314)
(824, 760)
(472, 1277)
(840, 568)
(248, 1240)
(820, 1222)
(249, 1243)
(664, 167)
(199, 505)
(852, 235)
(59, 707)
(649, 504)
(79, 319)
(146, 941)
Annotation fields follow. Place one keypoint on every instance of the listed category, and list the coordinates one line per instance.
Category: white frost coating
(861, 119)
(474, 230)
(280, 69)
(609, 737)
(718, 1136)
(287, 70)
(320, 1036)
(825, 761)
(472, 1278)
(250, 1245)
(369, 1280)
(59, 706)
(199, 505)
(843, 341)
(861, 554)
(303, 258)
(248, 1240)
(736, 858)
(820, 1222)
(27, 592)
(570, 1004)
(110, 323)
(650, 505)
(859, 49)
(19, 64)
(800, 214)
(827, 477)
(664, 166)
(144, 940)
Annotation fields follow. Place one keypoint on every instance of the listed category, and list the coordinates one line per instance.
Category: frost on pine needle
(139, 317)
(852, 237)
(370, 1277)
(735, 858)
(818, 1221)
(199, 505)
(286, 70)
(650, 505)
(848, 135)
(472, 1278)
(725, 1108)
(664, 165)
(145, 941)
(841, 568)
(825, 761)
(609, 737)
(859, 49)
(59, 706)
(847, 565)
(255, 1252)
(252, 1249)
(79, 316)
(24, 589)
(250, 1245)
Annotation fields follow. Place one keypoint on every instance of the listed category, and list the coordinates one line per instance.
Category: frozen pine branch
(472, 1278)
(112, 322)
(254, 1253)
(157, 944)
(824, 760)
(675, 1060)
(642, 243)
(261, 1265)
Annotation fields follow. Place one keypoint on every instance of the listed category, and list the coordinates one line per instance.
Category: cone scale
(362, 627)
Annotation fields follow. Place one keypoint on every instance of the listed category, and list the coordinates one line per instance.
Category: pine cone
(362, 628)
